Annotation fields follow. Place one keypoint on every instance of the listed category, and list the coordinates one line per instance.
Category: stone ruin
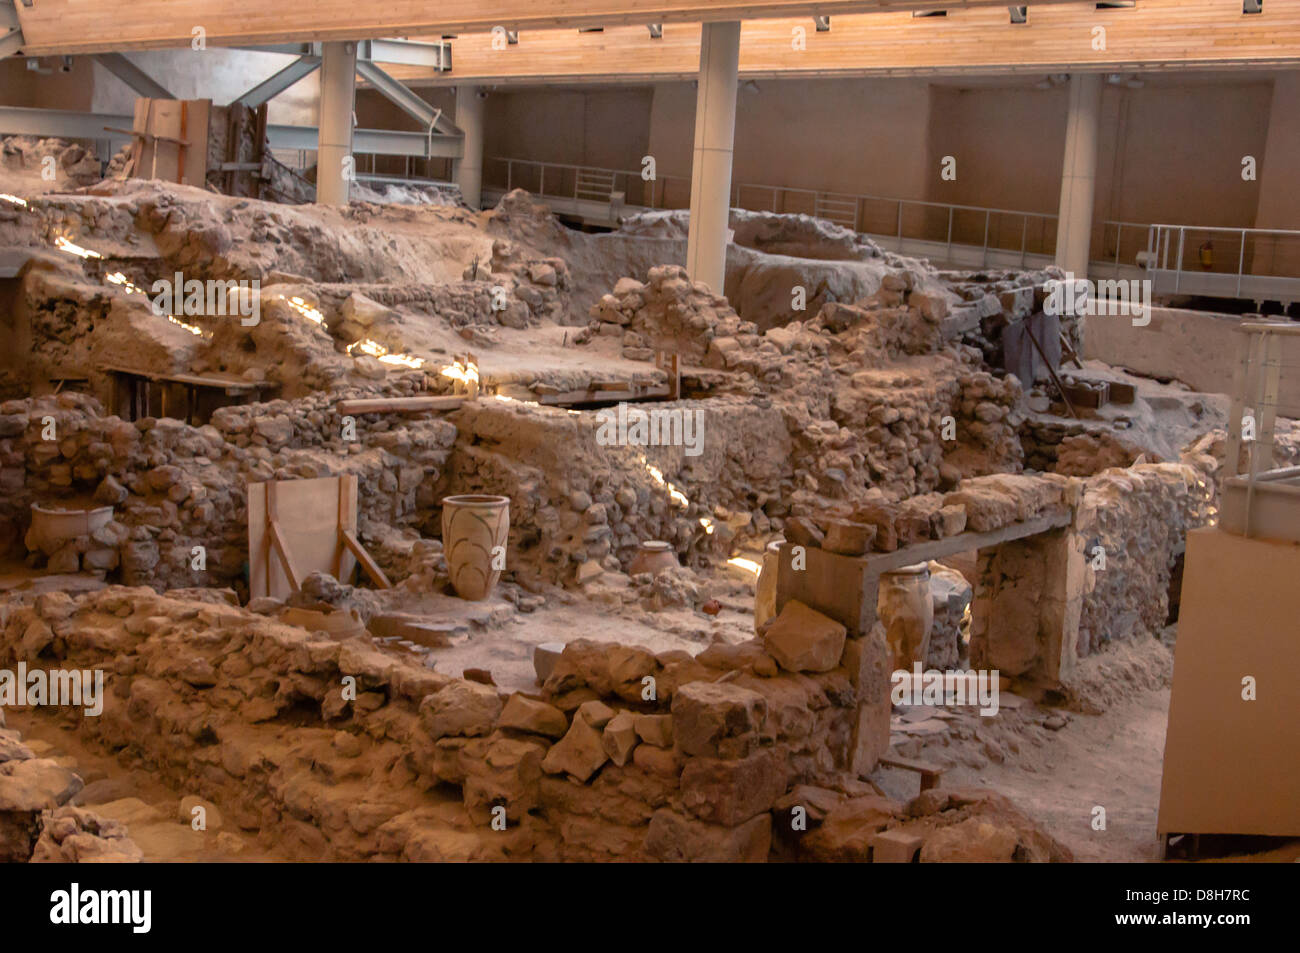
(585, 710)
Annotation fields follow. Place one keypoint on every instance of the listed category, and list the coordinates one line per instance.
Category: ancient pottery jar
(907, 612)
(654, 556)
(765, 588)
(53, 526)
(474, 532)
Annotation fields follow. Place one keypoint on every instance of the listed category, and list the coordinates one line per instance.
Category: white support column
(715, 130)
(338, 86)
(1079, 175)
(469, 167)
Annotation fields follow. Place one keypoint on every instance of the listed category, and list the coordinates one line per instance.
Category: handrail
(843, 208)
(1205, 274)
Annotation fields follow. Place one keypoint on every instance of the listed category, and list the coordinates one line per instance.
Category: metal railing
(1258, 263)
(1260, 396)
(981, 235)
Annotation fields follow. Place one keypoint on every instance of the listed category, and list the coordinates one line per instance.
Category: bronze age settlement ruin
(422, 440)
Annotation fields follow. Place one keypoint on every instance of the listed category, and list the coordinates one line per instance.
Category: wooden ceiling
(87, 26)
(1153, 35)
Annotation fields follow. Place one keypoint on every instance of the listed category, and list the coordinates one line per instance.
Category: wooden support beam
(75, 26)
(286, 559)
(365, 560)
(1154, 35)
(397, 405)
(930, 773)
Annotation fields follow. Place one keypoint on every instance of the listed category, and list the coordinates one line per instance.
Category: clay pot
(52, 527)
(653, 557)
(765, 587)
(906, 610)
(473, 526)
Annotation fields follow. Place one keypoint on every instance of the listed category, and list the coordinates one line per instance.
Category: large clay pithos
(907, 612)
(475, 528)
(765, 587)
(654, 556)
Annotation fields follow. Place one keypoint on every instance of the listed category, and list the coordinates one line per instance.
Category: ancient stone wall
(175, 487)
(1133, 524)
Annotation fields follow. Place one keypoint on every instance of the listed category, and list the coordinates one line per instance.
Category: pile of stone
(669, 312)
(979, 504)
(942, 825)
(38, 825)
(1076, 448)
(73, 165)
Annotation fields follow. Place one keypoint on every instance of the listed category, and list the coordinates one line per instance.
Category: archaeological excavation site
(685, 432)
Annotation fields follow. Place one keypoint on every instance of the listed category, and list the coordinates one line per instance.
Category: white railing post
(984, 260)
(1178, 274)
(1241, 261)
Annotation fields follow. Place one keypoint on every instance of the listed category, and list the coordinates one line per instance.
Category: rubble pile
(48, 163)
(38, 825)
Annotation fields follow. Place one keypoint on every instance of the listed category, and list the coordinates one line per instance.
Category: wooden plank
(194, 163)
(1232, 766)
(1156, 34)
(163, 152)
(397, 405)
(306, 516)
(282, 550)
(930, 773)
(231, 385)
(347, 517)
(367, 562)
(575, 398)
(68, 26)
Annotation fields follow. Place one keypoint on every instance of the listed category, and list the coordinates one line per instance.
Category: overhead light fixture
(751, 85)
(1252, 6)
(823, 24)
(656, 31)
(512, 37)
(1117, 5)
(591, 29)
(1019, 14)
(929, 13)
